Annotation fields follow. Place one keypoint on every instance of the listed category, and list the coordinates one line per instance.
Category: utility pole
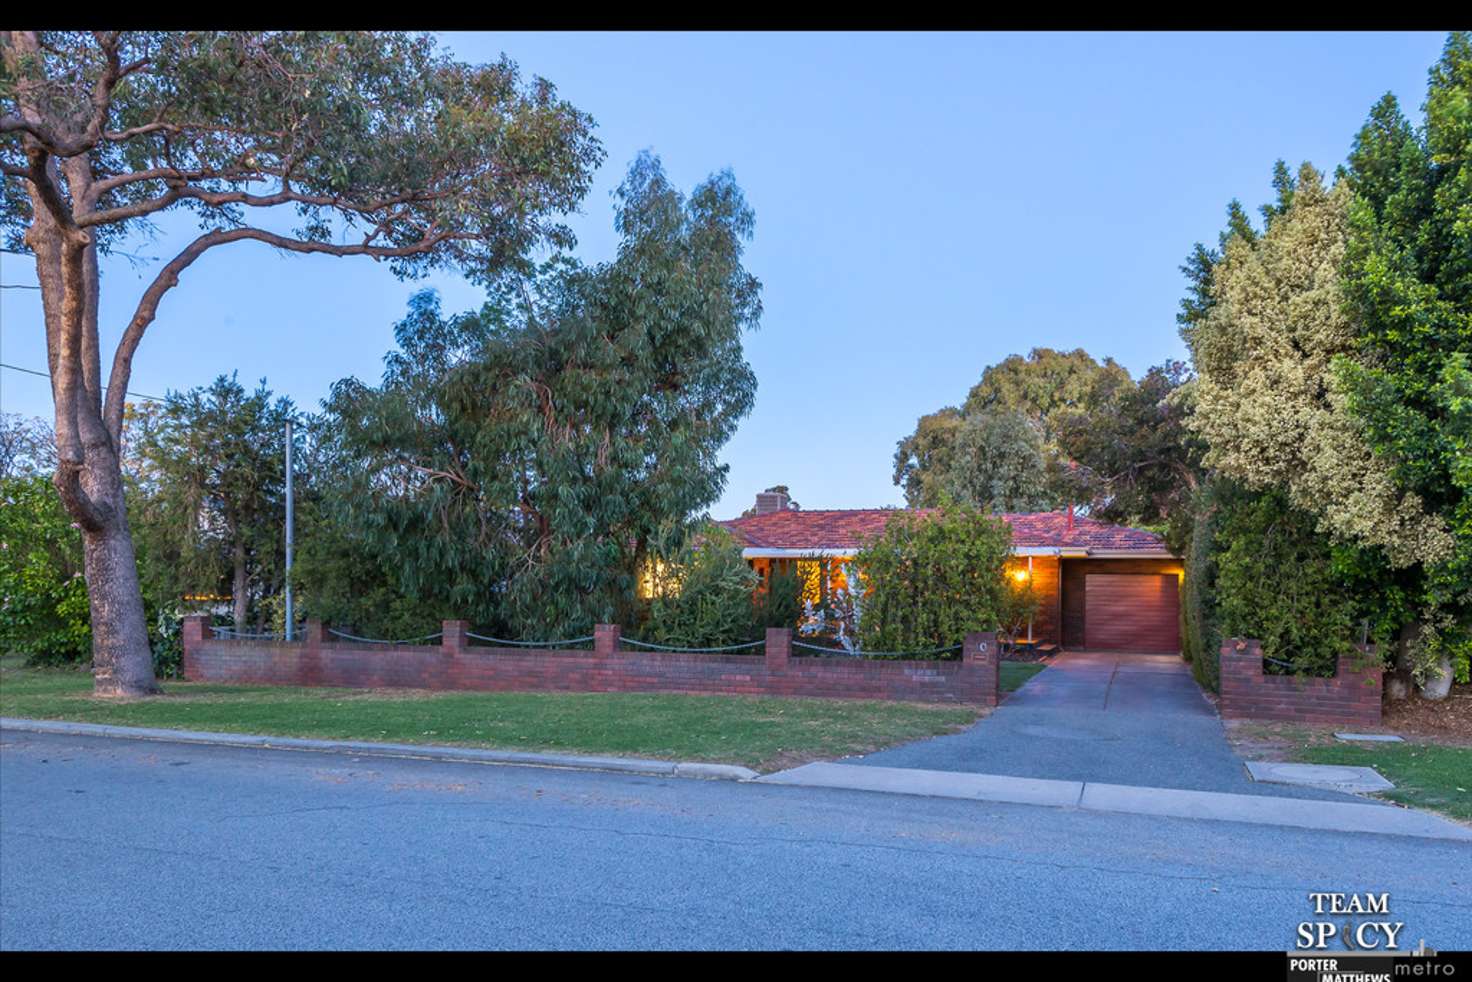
(290, 614)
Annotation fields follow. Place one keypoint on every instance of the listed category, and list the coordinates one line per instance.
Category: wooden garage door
(1131, 612)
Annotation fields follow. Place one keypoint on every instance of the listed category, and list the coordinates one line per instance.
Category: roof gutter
(1063, 552)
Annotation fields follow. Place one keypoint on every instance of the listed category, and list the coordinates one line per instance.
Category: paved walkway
(1111, 718)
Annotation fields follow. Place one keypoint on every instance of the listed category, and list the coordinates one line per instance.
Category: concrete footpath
(1095, 796)
(1083, 795)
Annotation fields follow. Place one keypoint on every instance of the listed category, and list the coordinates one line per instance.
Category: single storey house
(1103, 587)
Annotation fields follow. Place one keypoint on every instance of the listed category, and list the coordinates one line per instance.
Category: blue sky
(926, 205)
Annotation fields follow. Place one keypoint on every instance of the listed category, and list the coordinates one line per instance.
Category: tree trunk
(1398, 681)
(239, 585)
(88, 474)
(122, 662)
(1438, 684)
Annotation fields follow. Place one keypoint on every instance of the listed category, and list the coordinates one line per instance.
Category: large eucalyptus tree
(519, 464)
(378, 143)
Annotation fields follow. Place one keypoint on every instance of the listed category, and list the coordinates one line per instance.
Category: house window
(810, 581)
(818, 578)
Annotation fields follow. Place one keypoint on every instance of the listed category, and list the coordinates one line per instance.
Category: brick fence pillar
(447, 673)
(309, 664)
(1363, 674)
(779, 648)
(452, 637)
(979, 654)
(314, 635)
(1239, 669)
(605, 639)
(192, 633)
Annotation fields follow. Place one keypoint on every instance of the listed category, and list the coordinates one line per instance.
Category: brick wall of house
(457, 664)
(1350, 698)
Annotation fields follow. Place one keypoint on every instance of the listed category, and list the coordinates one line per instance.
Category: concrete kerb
(1093, 796)
(935, 784)
(470, 755)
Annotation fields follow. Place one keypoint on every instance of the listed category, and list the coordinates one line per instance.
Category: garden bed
(1446, 721)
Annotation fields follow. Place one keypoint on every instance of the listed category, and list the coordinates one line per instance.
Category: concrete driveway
(1106, 717)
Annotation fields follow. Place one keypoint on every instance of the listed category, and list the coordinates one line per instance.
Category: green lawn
(763, 733)
(1424, 775)
(1014, 673)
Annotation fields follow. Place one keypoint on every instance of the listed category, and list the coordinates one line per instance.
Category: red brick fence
(1350, 698)
(456, 663)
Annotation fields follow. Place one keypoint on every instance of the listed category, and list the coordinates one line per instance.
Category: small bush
(1020, 605)
(931, 579)
(705, 594)
(780, 603)
(167, 644)
(43, 595)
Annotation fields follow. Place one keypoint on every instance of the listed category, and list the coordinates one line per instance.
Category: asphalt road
(124, 844)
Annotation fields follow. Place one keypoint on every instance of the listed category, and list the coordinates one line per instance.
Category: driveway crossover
(1107, 717)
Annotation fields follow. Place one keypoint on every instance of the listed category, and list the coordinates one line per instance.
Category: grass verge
(1425, 775)
(758, 732)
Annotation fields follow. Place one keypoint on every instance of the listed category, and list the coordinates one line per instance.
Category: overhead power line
(47, 375)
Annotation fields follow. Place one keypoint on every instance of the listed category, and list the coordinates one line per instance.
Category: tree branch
(107, 184)
(52, 142)
(216, 199)
(39, 174)
(168, 278)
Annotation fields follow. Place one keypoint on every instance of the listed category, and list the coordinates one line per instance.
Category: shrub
(780, 603)
(167, 643)
(1020, 603)
(930, 579)
(43, 594)
(1200, 634)
(705, 596)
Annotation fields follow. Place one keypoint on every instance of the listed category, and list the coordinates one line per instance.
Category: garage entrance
(1132, 612)
(1116, 604)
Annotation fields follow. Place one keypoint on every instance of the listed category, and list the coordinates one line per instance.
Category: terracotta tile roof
(846, 529)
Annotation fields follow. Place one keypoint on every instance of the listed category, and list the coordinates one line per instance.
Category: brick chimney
(770, 501)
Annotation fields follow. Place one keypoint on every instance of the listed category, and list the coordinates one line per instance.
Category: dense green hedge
(1257, 567)
(1200, 633)
(44, 611)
